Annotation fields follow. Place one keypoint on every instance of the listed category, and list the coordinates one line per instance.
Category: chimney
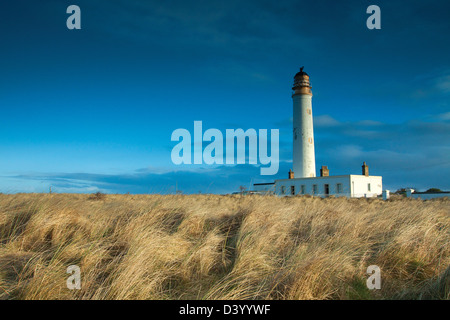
(324, 172)
(365, 169)
(291, 174)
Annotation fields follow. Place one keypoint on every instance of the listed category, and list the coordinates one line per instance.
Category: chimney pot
(291, 174)
(324, 172)
(365, 169)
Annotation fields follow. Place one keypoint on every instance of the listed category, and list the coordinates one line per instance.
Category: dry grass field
(222, 247)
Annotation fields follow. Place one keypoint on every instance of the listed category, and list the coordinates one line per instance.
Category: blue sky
(94, 109)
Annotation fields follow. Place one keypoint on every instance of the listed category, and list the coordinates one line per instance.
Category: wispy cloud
(443, 83)
(219, 179)
(325, 121)
(443, 116)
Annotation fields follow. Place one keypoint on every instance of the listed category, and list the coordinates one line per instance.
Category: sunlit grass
(222, 247)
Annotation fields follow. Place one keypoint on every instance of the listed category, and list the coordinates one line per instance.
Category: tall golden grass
(222, 247)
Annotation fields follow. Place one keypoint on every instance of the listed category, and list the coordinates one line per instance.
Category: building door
(293, 190)
(327, 189)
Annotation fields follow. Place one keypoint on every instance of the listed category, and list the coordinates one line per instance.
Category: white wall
(360, 186)
(350, 186)
(320, 182)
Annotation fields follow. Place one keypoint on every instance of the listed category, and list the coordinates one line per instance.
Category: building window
(339, 188)
(314, 189)
(283, 190)
(368, 187)
(326, 189)
(293, 190)
(303, 189)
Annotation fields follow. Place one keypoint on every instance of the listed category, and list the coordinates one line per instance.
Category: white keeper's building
(303, 180)
(352, 186)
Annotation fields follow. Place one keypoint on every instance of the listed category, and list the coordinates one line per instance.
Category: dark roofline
(263, 184)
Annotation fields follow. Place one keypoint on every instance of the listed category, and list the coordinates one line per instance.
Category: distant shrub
(97, 196)
(433, 190)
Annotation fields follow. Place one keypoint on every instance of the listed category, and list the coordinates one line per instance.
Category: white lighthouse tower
(303, 180)
(304, 163)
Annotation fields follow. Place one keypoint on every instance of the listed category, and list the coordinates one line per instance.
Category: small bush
(97, 196)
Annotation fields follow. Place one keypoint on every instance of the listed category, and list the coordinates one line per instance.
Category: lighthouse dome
(301, 74)
(301, 83)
